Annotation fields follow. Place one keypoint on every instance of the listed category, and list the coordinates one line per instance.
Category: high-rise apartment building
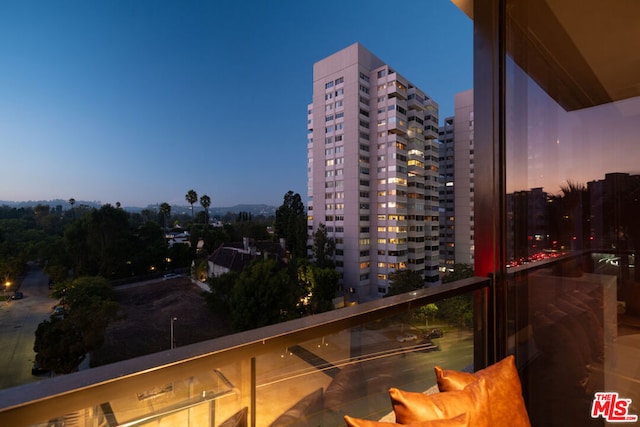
(456, 184)
(373, 170)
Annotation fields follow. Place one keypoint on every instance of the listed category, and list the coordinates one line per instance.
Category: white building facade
(457, 184)
(373, 171)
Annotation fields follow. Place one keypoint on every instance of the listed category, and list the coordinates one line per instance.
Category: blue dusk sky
(138, 101)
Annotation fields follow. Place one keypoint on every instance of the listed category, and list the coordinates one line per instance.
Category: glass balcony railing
(573, 327)
(571, 321)
(310, 371)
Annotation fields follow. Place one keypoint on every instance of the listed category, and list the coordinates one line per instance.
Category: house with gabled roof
(235, 256)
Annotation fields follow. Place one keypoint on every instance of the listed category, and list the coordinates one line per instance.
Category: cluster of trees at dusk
(79, 240)
(85, 250)
(272, 290)
(88, 306)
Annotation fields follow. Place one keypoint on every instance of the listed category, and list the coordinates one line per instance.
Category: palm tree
(191, 198)
(165, 210)
(205, 201)
(72, 202)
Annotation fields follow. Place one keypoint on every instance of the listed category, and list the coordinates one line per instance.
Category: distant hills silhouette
(253, 209)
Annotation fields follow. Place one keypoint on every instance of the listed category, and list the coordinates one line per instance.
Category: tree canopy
(291, 224)
(323, 248)
(402, 281)
(262, 295)
(63, 341)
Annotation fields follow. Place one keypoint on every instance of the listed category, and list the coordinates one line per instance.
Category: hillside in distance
(257, 209)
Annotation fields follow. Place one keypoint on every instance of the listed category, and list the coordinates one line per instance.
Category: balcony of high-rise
(555, 82)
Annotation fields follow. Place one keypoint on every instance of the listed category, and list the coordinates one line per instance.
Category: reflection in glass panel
(350, 372)
(340, 369)
(206, 399)
(573, 228)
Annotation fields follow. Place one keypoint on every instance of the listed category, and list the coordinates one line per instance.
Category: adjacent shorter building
(373, 170)
(236, 256)
(457, 184)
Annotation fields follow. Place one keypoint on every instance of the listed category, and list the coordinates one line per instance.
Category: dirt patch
(146, 324)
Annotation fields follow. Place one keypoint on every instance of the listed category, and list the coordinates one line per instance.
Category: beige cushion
(414, 407)
(461, 420)
(503, 386)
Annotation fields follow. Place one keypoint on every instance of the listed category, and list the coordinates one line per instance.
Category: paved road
(18, 322)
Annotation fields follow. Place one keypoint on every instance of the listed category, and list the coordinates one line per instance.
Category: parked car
(434, 333)
(17, 295)
(406, 337)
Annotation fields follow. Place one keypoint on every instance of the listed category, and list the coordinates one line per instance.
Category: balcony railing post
(254, 386)
(480, 327)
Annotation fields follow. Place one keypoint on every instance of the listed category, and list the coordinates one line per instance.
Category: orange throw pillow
(412, 407)
(459, 421)
(503, 384)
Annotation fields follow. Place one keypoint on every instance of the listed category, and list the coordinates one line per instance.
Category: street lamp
(173, 344)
